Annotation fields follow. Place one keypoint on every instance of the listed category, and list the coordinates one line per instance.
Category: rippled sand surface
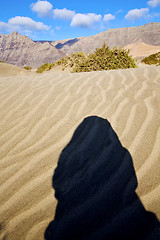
(39, 114)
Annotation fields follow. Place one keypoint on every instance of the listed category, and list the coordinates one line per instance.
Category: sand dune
(7, 70)
(141, 50)
(39, 114)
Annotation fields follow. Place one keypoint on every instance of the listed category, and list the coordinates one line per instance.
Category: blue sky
(57, 19)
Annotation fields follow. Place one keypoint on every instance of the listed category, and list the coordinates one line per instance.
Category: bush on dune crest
(152, 59)
(28, 68)
(103, 58)
(45, 67)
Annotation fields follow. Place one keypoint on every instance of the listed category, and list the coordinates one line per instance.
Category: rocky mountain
(120, 37)
(22, 51)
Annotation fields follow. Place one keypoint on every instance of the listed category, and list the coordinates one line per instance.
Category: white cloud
(108, 17)
(27, 23)
(154, 3)
(137, 14)
(119, 11)
(42, 8)
(58, 28)
(85, 20)
(3, 26)
(63, 13)
(22, 24)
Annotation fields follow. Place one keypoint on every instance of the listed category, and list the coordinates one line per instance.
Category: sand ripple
(38, 115)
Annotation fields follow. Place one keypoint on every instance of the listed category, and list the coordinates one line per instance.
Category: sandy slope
(39, 114)
(7, 70)
(142, 50)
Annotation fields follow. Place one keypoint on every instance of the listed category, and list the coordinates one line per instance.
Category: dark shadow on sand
(95, 185)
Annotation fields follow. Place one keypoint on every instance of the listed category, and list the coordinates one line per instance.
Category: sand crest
(39, 113)
(7, 70)
(141, 50)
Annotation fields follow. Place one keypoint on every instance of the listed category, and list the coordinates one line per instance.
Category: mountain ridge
(120, 37)
(22, 51)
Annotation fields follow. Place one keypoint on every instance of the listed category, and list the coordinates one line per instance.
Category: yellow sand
(38, 115)
(141, 49)
(7, 70)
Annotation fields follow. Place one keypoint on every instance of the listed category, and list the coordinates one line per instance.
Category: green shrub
(2, 61)
(70, 61)
(45, 67)
(103, 58)
(152, 59)
(27, 67)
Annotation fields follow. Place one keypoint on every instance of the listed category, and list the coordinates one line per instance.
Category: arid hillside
(149, 34)
(22, 51)
(140, 50)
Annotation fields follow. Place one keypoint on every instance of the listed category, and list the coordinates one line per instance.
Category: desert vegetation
(45, 67)
(2, 61)
(27, 67)
(103, 58)
(152, 59)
